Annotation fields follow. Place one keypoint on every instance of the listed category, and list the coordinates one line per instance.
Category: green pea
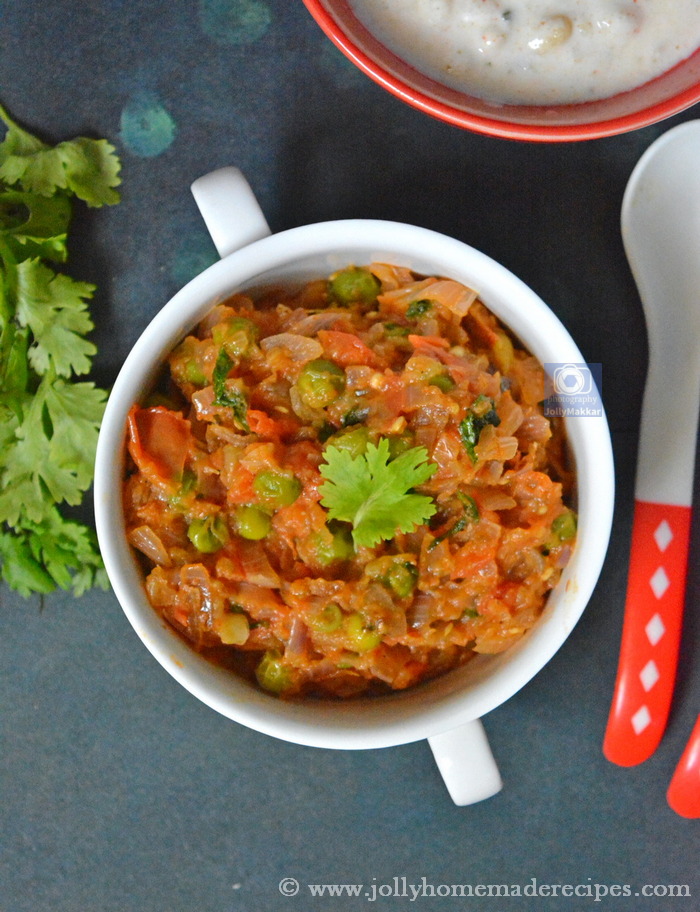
(188, 483)
(343, 548)
(354, 285)
(564, 526)
(193, 373)
(402, 578)
(209, 534)
(443, 382)
(398, 444)
(156, 398)
(272, 674)
(237, 335)
(354, 440)
(360, 637)
(338, 548)
(233, 628)
(252, 523)
(329, 619)
(396, 330)
(320, 383)
(187, 362)
(277, 489)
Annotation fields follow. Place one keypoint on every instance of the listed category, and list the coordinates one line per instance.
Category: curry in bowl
(349, 487)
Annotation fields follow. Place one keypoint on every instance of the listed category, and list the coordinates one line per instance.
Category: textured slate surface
(119, 790)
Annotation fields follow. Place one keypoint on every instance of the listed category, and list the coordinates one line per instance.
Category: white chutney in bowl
(537, 52)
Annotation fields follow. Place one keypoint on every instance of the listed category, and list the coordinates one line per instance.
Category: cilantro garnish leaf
(471, 509)
(48, 421)
(469, 435)
(227, 395)
(473, 423)
(418, 309)
(375, 493)
(461, 523)
(86, 168)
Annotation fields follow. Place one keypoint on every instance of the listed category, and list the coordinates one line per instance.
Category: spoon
(683, 793)
(661, 236)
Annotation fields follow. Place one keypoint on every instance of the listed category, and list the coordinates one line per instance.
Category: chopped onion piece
(145, 540)
(301, 348)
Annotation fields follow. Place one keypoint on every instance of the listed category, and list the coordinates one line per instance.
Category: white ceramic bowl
(443, 710)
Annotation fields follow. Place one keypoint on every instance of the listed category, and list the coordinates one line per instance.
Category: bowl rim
(440, 704)
(493, 126)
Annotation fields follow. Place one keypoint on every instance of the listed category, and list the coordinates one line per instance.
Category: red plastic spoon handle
(684, 791)
(651, 632)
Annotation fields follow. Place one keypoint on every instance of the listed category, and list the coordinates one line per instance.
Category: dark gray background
(119, 790)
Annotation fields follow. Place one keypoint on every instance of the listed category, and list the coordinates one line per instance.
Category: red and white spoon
(684, 790)
(661, 235)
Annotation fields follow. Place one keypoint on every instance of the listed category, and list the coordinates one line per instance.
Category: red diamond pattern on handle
(651, 632)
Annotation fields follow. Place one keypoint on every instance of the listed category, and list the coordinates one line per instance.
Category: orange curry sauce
(223, 490)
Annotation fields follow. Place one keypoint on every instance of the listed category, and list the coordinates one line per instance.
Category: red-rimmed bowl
(669, 94)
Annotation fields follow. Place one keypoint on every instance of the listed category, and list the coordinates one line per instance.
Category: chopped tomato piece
(159, 441)
(346, 349)
(429, 344)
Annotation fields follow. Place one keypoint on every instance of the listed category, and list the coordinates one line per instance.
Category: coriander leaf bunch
(49, 421)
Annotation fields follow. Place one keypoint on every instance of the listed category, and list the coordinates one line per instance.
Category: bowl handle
(229, 209)
(466, 763)
(234, 219)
